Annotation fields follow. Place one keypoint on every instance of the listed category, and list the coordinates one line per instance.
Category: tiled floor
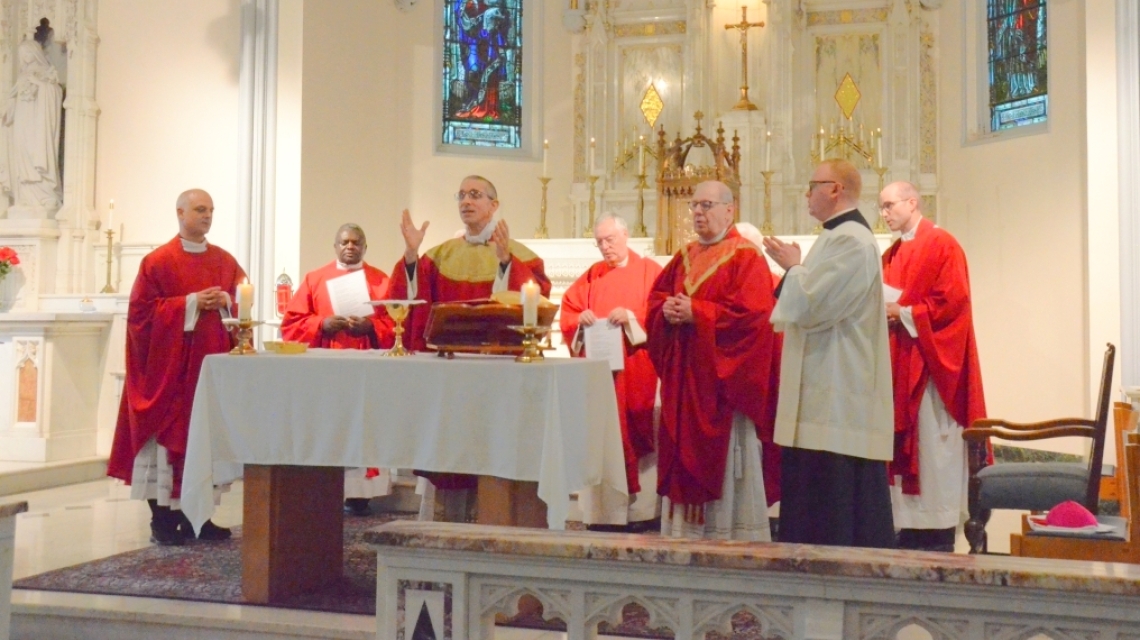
(83, 522)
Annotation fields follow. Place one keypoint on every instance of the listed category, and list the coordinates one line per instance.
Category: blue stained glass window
(482, 73)
(1018, 62)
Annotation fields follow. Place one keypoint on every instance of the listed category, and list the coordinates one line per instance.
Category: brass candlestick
(588, 232)
(541, 232)
(244, 336)
(880, 224)
(110, 249)
(766, 228)
(639, 230)
(532, 346)
(744, 25)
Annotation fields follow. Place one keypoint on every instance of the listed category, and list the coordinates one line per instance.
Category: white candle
(821, 150)
(111, 214)
(768, 152)
(641, 155)
(245, 301)
(879, 146)
(545, 163)
(530, 303)
(591, 167)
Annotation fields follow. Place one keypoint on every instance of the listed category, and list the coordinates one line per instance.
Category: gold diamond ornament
(651, 105)
(847, 96)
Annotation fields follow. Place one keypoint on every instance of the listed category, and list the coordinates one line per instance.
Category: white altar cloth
(553, 422)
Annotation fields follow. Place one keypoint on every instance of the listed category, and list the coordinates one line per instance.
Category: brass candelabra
(244, 338)
(639, 230)
(588, 232)
(766, 227)
(107, 288)
(542, 232)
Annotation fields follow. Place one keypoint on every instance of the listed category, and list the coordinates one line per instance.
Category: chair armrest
(985, 423)
(974, 434)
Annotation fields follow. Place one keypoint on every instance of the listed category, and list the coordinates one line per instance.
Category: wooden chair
(1093, 547)
(1034, 486)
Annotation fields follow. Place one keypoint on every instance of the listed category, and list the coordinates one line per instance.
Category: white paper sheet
(604, 342)
(349, 295)
(891, 294)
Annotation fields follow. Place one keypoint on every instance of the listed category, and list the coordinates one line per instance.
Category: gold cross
(743, 26)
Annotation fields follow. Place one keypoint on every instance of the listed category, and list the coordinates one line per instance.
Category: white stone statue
(33, 116)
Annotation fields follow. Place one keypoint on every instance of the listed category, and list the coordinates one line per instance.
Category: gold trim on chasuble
(702, 261)
(461, 261)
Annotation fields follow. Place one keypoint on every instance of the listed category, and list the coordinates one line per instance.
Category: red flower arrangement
(8, 259)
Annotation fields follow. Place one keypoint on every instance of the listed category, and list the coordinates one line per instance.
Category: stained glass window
(482, 73)
(1018, 63)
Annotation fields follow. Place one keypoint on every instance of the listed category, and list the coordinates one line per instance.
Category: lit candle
(821, 150)
(245, 301)
(530, 303)
(641, 155)
(111, 214)
(768, 152)
(879, 146)
(545, 164)
(591, 167)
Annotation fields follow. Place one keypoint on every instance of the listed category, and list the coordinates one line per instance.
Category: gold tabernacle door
(482, 326)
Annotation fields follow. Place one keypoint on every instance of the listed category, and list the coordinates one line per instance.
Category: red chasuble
(312, 304)
(453, 271)
(726, 361)
(163, 360)
(458, 270)
(601, 290)
(931, 271)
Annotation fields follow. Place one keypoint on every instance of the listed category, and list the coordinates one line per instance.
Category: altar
(554, 423)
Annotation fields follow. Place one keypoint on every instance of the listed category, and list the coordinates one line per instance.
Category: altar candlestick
(111, 216)
(530, 303)
(640, 155)
(768, 152)
(879, 146)
(245, 301)
(821, 142)
(591, 167)
(545, 164)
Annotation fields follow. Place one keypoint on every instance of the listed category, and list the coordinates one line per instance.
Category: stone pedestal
(8, 513)
(51, 369)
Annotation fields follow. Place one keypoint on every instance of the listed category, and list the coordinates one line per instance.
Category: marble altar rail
(8, 513)
(461, 576)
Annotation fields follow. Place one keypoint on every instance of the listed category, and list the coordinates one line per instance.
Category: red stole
(602, 289)
(163, 361)
(725, 361)
(458, 270)
(312, 304)
(931, 271)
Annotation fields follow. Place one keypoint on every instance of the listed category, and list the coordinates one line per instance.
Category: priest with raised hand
(937, 378)
(713, 346)
(613, 293)
(484, 260)
(183, 290)
(835, 420)
(312, 318)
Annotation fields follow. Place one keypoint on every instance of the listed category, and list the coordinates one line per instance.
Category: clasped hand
(678, 309)
(355, 325)
(212, 299)
(785, 254)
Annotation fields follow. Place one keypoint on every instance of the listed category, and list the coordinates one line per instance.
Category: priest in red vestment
(937, 380)
(713, 346)
(615, 292)
(483, 261)
(312, 318)
(183, 290)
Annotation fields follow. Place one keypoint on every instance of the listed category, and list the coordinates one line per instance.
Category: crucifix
(744, 25)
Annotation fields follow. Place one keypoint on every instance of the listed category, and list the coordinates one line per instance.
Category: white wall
(367, 133)
(1018, 206)
(167, 88)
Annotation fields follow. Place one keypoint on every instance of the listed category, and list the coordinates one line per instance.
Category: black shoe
(645, 526)
(166, 534)
(213, 533)
(357, 507)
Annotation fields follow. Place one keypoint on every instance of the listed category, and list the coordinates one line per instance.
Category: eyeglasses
(608, 241)
(474, 194)
(815, 183)
(703, 205)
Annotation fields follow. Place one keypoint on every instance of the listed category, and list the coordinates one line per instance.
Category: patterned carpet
(211, 572)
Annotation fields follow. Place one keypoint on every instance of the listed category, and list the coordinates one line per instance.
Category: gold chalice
(398, 310)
